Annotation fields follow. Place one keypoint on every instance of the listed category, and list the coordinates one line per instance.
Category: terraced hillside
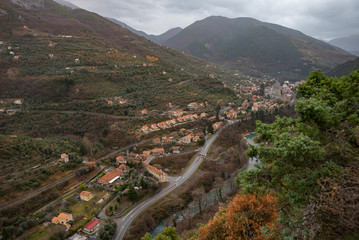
(56, 58)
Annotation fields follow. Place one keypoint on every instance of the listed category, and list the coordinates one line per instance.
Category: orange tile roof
(110, 175)
(85, 193)
(63, 215)
(158, 150)
(155, 170)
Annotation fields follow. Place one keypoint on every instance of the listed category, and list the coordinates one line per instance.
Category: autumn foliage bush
(248, 216)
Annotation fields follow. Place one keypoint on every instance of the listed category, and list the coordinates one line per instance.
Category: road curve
(124, 222)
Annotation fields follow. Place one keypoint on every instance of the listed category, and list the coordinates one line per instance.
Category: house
(11, 112)
(186, 139)
(123, 167)
(255, 107)
(18, 101)
(173, 121)
(154, 126)
(180, 119)
(162, 125)
(92, 226)
(196, 138)
(86, 196)
(217, 125)
(182, 130)
(145, 128)
(178, 113)
(194, 116)
(167, 140)
(144, 112)
(64, 158)
(78, 237)
(187, 117)
(109, 102)
(168, 123)
(232, 114)
(161, 176)
(158, 151)
(176, 150)
(245, 103)
(63, 218)
(2, 110)
(147, 153)
(110, 177)
(157, 141)
(121, 160)
(193, 106)
(91, 164)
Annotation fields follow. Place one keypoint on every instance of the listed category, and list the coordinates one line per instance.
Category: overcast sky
(323, 19)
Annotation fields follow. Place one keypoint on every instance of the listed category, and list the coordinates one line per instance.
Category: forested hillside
(307, 184)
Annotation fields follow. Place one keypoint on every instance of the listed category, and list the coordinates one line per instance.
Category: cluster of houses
(172, 122)
(269, 100)
(66, 219)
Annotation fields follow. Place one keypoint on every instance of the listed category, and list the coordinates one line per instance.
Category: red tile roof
(92, 224)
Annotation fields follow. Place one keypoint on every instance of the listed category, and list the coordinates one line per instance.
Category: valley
(107, 132)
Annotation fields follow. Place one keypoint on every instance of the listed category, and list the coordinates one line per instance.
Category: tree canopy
(301, 156)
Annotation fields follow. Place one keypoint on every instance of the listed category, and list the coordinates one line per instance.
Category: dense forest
(307, 184)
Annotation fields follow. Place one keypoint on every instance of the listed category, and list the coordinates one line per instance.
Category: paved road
(174, 182)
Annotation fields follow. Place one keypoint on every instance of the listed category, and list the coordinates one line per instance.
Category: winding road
(124, 222)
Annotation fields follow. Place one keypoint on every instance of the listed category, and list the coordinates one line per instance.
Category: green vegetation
(306, 185)
(168, 233)
(345, 68)
(304, 160)
(107, 231)
(27, 162)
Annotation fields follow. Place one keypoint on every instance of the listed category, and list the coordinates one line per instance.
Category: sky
(323, 19)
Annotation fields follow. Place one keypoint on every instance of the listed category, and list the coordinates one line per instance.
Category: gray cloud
(324, 19)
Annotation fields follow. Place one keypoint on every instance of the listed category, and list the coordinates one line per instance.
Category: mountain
(254, 46)
(47, 38)
(345, 68)
(159, 39)
(124, 25)
(66, 4)
(350, 44)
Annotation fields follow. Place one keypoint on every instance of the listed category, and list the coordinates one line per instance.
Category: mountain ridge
(254, 46)
(159, 39)
(350, 44)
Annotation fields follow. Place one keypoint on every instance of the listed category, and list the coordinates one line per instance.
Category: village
(128, 177)
(136, 173)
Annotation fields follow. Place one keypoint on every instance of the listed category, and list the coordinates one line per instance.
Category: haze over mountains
(350, 44)
(254, 46)
(159, 39)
